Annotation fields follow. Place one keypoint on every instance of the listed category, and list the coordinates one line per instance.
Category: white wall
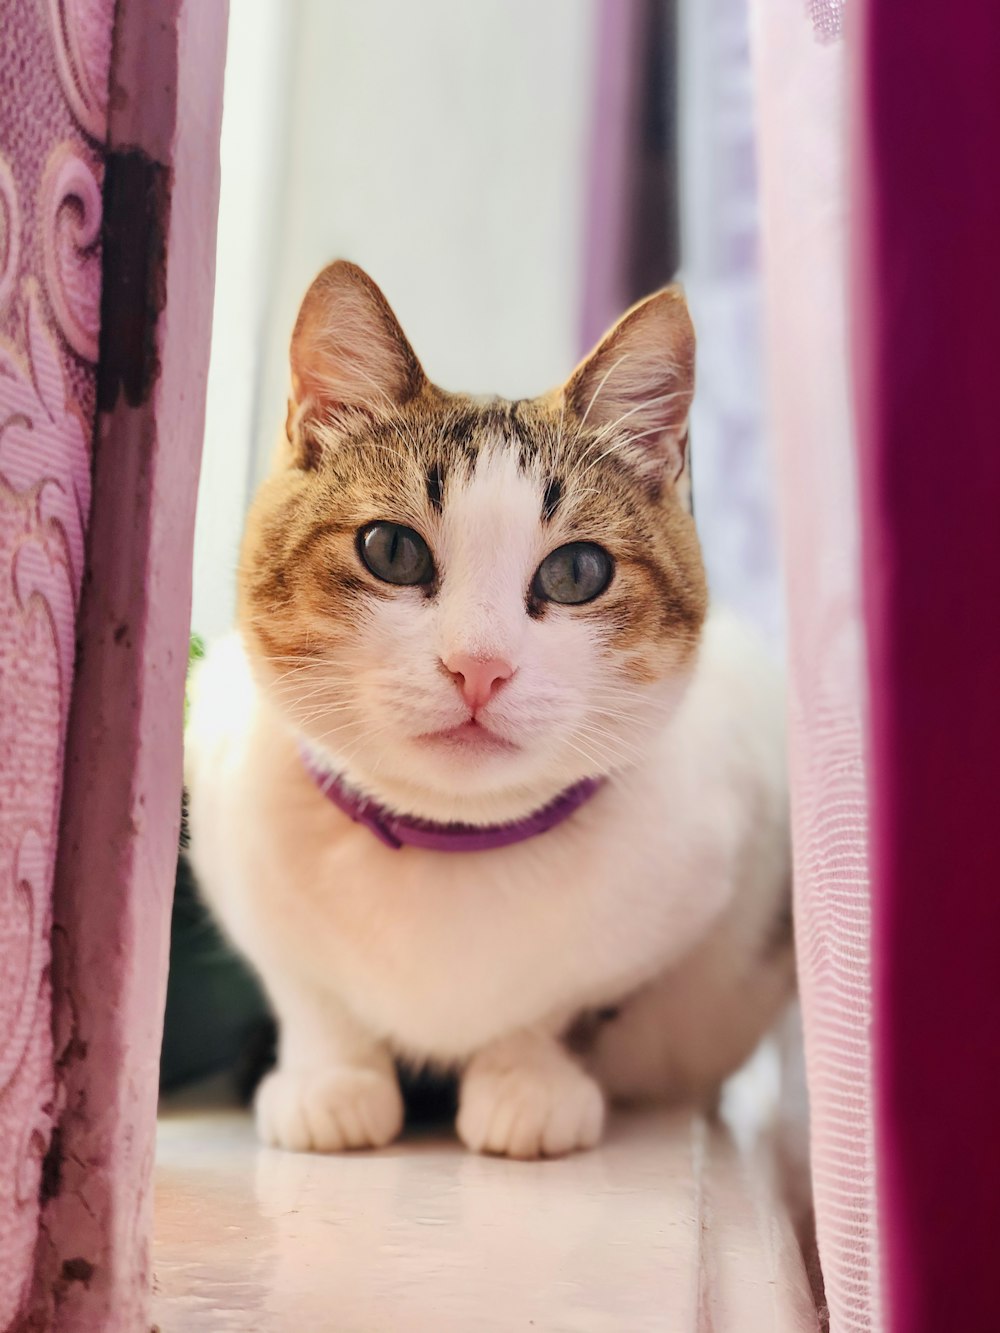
(252, 125)
(443, 146)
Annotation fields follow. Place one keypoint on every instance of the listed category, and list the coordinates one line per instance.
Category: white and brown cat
(479, 783)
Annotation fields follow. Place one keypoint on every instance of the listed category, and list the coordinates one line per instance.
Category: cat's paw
(328, 1110)
(539, 1107)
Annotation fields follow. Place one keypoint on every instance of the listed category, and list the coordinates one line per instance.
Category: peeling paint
(77, 1270)
(51, 1180)
(137, 193)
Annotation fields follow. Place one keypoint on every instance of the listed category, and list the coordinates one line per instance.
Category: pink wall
(121, 807)
(53, 116)
(94, 608)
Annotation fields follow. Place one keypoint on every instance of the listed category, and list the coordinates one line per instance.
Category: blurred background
(514, 174)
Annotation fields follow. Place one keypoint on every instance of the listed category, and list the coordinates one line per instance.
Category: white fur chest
(442, 952)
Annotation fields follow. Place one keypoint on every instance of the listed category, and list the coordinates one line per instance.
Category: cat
(481, 782)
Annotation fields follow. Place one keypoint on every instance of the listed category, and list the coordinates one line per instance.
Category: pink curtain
(800, 58)
(927, 340)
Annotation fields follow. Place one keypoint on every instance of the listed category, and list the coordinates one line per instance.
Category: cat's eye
(573, 574)
(395, 554)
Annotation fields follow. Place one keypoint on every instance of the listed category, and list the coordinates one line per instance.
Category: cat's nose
(478, 678)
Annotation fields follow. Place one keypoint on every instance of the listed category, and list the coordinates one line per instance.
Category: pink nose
(478, 678)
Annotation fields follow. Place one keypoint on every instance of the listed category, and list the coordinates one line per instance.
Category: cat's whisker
(628, 441)
(305, 716)
(301, 710)
(609, 744)
(595, 759)
(336, 686)
(626, 731)
(604, 379)
(577, 495)
(294, 673)
(600, 729)
(643, 406)
(320, 714)
(393, 414)
(612, 706)
(318, 705)
(623, 446)
(334, 731)
(293, 690)
(619, 446)
(345, 756)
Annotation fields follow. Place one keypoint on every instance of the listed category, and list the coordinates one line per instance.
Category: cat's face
(471, 605)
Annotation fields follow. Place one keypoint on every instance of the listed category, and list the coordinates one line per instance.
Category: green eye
(395, 554)
(573, 574)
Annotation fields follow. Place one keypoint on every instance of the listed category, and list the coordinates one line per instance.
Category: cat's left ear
(638, 383)
(348, 350)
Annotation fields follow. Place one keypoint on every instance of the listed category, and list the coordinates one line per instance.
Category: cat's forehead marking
(488, 545)
(552, 498)
(454, 441)
(531, 436)
(435, 486)
(498, 491)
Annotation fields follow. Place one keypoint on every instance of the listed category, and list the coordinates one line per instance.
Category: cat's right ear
(348, 354)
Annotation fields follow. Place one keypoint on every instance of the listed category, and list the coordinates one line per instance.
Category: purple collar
(398, 831)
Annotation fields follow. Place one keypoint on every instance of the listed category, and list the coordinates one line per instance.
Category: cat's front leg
(335, 1086)
(524, 1096)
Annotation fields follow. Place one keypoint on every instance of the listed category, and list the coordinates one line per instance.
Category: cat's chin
(469, 740)
(476, 809)
(460, 780)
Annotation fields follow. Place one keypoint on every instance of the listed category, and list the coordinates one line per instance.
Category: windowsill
(667, 1227)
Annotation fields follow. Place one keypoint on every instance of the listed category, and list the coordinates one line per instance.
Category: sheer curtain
(801, 68)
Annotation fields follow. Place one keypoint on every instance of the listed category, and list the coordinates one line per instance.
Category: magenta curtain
(926, 325)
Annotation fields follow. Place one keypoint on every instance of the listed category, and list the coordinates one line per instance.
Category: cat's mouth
(470, 735)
